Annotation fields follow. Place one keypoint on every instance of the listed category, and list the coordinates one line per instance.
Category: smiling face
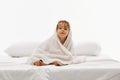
(63, 29)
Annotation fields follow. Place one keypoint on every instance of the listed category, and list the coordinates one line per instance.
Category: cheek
(57, 31)
(67, 32)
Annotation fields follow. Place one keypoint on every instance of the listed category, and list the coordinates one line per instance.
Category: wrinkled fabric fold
(52, 50)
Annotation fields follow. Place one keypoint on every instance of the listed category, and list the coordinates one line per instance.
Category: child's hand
(56, 63)
(38, 63)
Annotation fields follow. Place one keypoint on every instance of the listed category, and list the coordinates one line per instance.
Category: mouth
(62, 33)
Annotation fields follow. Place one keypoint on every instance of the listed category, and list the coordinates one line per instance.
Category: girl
(57, 50)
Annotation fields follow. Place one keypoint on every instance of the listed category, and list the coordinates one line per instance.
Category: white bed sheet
(95, 68)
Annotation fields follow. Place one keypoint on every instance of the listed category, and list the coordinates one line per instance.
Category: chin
(62, 36)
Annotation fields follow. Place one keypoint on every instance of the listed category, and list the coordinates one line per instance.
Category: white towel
(52, 50)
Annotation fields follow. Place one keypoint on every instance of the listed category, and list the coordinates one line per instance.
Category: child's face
(63, 30)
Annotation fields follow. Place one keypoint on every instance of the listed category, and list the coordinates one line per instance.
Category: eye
(65, 29)
(60, 28)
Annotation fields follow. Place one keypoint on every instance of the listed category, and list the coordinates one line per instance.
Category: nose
(62, 28)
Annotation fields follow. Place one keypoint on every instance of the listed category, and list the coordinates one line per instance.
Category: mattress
(94, 68)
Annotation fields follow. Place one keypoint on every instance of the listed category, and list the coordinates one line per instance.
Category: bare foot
(39, 63)
(55, 63)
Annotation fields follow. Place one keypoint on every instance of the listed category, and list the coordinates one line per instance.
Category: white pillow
(3, 54)
(87, 49)
(21, 49)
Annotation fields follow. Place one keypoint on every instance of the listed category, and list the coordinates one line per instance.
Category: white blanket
(52, 50)
(95, 68)
(17, 69)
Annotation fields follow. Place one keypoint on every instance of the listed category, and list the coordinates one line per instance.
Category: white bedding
(95, 68)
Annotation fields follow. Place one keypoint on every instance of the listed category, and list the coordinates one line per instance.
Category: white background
(35, 20)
